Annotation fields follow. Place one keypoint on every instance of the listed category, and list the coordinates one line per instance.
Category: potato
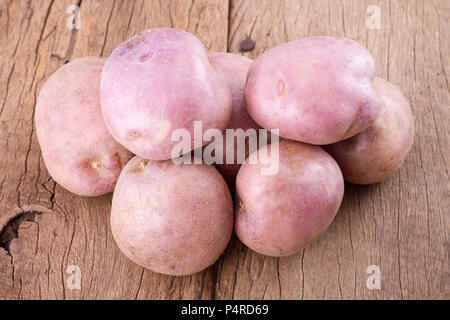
(79, 152)
(316, 90)
(376, 153)
(156, 82)
(172, 219)
(280, 214)
(235, 69)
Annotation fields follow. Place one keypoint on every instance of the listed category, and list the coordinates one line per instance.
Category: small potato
(156, 82)
(172, 219)
(376, 153)
(316, 90)
(78, 150)
(235, 68)
(280, 214)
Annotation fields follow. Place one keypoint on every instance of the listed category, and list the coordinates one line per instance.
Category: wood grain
(401, 225)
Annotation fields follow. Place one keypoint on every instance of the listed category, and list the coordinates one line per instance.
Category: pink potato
(172, 219)
(78, 150)
(235, 68)
(376, 153)
(156, 82)
(280, 214)
(316, 90)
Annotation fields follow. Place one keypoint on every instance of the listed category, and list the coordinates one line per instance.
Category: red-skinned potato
(172, 219)
(316, 90)
(156, 82)
(280, 214)
(79, 152)
(376, 153)
(234, 69)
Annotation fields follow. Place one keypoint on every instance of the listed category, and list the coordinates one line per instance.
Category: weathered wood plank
(402, 224)
(68, 230)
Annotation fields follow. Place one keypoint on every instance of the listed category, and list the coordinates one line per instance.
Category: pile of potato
(106, 125)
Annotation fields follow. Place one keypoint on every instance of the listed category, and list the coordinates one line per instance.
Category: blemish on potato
(145, 57)
(96, 164)
(132, 135)
(282, 89)
(143, 163)
(136, 40)
(139, 166)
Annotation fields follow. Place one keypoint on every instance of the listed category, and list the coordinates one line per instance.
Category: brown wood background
(401, 225)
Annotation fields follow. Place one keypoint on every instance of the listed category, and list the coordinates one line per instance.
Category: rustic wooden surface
(401, 225)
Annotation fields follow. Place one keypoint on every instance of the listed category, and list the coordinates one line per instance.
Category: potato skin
(158, 81)
(316, 90)
(78, 150)
(376, 153)
(172, 219)
(279, 215)
(235, 68)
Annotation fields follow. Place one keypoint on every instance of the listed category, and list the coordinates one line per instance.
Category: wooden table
(400, 225)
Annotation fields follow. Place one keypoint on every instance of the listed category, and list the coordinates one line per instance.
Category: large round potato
(172, 219)
(376, 153)
(79, 152)
(280, 214)
(316, 90)
(159, 81)
(235, 68)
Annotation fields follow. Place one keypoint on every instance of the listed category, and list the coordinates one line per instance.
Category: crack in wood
(11, 230)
